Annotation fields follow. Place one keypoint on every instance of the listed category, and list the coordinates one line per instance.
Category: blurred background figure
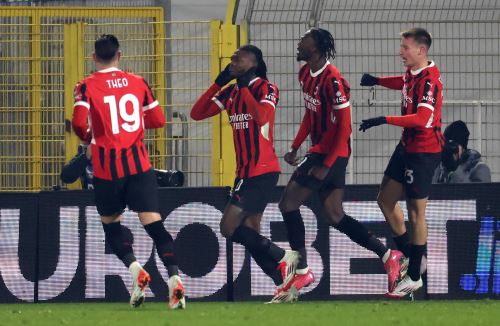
(80, 167)
(460, 164)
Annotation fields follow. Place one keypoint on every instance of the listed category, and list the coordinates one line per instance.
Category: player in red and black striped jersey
(116, 130)
(327, 119)
(253, 131)
(250, 105)
(111, 110)
(416, 157)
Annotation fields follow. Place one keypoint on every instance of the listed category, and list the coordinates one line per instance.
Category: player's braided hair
(324, 41)
(261, 70)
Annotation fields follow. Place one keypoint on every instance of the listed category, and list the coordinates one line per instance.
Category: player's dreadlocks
(261, 70)
(324, 41)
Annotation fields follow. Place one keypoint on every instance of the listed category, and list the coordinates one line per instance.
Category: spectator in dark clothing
(460, 164)
(80, 167)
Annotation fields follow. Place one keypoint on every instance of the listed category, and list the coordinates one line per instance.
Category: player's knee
(282, 206)
(225, 230)
(286, 205)
(334, 216)
(149, 217)
(384, 203)
(253, 224)
(416, 218)
(380, 201)
(413, 220)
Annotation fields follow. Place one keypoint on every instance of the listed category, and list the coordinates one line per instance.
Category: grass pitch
(481, 312)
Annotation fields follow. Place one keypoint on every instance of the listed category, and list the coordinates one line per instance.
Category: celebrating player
(327, 120)
(121, 105)
(417, 155)
(250, 104)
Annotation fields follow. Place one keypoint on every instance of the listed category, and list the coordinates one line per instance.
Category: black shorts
(139, 192)
(413, 170)
(253, 194)
(334, 180)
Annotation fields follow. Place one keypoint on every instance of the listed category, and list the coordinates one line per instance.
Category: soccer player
(327, 120)
(250, 104)
(417, 155)
(112, 108)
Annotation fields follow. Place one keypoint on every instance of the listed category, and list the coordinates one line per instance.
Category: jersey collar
(250, 83)
(110, 69)
(253, 81)
(416, 72)
(317, 73)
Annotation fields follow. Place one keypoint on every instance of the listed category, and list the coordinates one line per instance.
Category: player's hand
(245, 79)
(319, 172)
(291, 157)
(224, 77)
(368, 80)
(368, 123)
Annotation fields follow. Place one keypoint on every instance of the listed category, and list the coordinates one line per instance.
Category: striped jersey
(325, 91)
(423, 89)
(253, 144)
(116, 102)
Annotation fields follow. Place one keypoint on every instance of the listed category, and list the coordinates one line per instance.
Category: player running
(251, 104)
(417, 155)
(327, 120)
(112, 108)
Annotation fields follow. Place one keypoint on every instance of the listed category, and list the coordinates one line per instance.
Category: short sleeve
(150, 101)
(429, 92)
(269, 94)
(339, 92)
(80, 95)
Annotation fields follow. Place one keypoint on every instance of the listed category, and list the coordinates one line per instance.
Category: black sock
(403, 243)
(358, 233)
(268, 266)
(164, 246)
(417, 251)
(117, 241)
(256, 243)
(296, 235)
(302, 259)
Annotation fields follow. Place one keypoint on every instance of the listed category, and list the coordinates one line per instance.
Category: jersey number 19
(132, 121)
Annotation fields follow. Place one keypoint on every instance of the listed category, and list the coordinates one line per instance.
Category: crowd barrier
(52, 247)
